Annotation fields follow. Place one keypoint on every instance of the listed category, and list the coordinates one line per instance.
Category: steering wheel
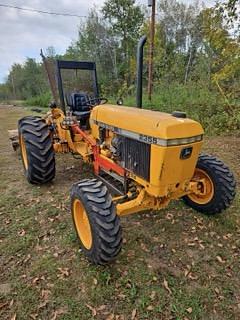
(92, 102)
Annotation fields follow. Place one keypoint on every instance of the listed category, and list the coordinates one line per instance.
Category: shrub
(40, 101)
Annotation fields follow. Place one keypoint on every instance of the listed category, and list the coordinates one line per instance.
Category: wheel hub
(82, 224)
(24, 151)
(205, 187)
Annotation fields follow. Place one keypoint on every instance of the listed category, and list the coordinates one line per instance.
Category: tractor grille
(135, 156)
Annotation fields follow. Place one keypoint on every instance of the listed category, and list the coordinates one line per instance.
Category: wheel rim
(24, 152)
(82, 224)
(205, 188)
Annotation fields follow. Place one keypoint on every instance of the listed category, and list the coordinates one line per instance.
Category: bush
(40, 101)
(200, 104)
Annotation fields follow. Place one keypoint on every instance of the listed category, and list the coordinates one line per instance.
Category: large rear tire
(217, 191)
(95, 220)
(36, 150)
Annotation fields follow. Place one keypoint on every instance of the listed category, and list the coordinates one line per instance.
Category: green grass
(50, 277)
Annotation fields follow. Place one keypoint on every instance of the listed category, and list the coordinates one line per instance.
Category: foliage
(40, 101)
(125, 19)
(27, 80)
(230, 10)
(96, 44)
(198, 102)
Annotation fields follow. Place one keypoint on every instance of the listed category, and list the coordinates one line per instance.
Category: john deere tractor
(141, 159)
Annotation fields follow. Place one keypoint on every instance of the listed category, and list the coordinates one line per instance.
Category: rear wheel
(216, 186)
(36, 149)
(95, 220)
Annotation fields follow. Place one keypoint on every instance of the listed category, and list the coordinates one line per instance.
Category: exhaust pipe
(140, 46)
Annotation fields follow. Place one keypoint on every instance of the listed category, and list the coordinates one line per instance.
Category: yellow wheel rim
(205, 187)
(82, 224)
(23, 151)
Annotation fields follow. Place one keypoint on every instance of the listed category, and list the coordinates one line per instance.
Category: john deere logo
(186, 153)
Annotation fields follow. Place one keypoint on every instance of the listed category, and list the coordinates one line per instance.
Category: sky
(23, 34)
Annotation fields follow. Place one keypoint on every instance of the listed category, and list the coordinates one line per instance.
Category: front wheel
(217, 186)
(95, 221)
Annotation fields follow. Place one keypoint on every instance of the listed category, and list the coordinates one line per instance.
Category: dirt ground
(175, 264)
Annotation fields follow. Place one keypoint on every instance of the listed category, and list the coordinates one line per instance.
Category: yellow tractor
(141, 159)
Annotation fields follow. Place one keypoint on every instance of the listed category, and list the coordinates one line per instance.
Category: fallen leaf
(144, 248)
(165, 284)
(102, 307)
(14, 317)
(186, 272)
(42, 305)
(45, 294)
(150, 308)
(3, 304)
(94, 311)
(8, 221)
(189, 310)
(58, 313)
(191, 244)
(64, 272)
(35, 280)
(219, 259)
(134, 313)
(27, 258)
(217, 290)
(110, 317)
(153, 295)
(169, 216)
(192, 277)
(21, 233)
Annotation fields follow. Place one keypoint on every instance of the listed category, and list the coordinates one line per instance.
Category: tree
(27, 80)
(95, 43)
(224, 50)
(125, 20)
(230, 11)
(178, 26)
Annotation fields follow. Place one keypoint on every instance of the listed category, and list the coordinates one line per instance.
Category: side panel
(169, 173)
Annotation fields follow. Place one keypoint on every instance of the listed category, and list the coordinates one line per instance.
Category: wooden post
(13, 86)
(49, 65)
(151, 49)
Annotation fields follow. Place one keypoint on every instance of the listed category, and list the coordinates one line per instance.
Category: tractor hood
(152, 124)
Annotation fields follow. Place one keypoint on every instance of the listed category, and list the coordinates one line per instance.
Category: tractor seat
(77, 101)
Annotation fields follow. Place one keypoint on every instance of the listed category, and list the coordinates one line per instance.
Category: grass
(49, 277)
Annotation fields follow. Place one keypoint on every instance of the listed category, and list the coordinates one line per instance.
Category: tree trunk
(188, 67)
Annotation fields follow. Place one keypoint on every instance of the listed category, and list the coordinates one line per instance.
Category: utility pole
(151, 3)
